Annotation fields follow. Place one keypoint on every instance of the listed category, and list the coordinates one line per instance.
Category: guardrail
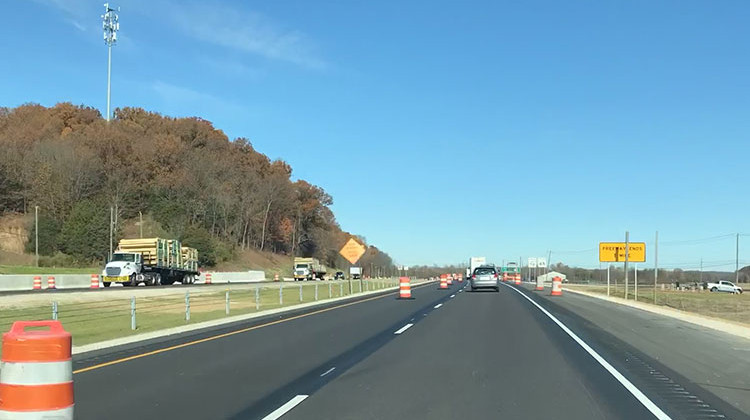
(99, 317)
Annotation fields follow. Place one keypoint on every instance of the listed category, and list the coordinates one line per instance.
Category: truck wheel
(713, 289)
(106, 283)
(133, 280)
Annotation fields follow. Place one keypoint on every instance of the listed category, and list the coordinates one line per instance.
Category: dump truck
(151, 261)
(308, 269)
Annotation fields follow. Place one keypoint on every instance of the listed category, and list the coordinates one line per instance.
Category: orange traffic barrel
(208, 278)
(36, 380)
(450, 280)
(94, 281)
(276, 277)
(556, 286)
(443, 282)
(404, 288)
(37, 283)
(51, 282)
(518, 278)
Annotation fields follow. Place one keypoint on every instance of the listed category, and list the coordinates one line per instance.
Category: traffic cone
(37, 376)
(556, 286)
(404, 288)
(518, 278)
(94, 281)
(208, 278)
(37, 283)
(51, 282)
(443, 282)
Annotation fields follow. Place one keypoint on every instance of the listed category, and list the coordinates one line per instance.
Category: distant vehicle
(723, 286)
(485, 277)
(152, 261)
(308, 269)
(355, 272)
(339, 275)
(475, 262)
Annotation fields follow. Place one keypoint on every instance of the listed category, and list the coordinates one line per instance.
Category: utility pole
(656, 262)
(701, 270)
(627, 255)
(36, 234)
(737, 261)
(111, 226)
(110, 25)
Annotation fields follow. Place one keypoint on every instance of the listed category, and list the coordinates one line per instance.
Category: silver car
(485, 277)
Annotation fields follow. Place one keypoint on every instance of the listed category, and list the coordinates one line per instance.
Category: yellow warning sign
(615, 252)
(352, 251)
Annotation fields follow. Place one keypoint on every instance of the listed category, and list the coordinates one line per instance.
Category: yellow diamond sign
(352, 251)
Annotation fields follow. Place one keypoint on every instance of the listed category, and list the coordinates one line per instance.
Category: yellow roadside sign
(615, 252)
(352, 251)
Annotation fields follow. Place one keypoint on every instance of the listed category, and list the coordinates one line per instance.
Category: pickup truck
(723, 286)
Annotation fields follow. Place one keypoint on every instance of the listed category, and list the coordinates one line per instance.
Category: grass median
(91, 322)
(727, 306)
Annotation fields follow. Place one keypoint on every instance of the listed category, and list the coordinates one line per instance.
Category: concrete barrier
(235, 277)
(10, 282)
(13, 282)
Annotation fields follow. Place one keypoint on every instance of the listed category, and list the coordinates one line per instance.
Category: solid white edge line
(277, 413)
(327, 372)
(640, 396)
(402, 329)
(438, 305)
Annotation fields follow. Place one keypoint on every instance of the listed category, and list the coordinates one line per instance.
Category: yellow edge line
(216, 337)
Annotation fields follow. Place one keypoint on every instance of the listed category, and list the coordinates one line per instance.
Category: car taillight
(474, 277)
(495, 275)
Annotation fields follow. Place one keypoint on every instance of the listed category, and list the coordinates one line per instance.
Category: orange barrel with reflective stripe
(404, 288)
(208, 278)
(94, 281)
(518, 278)
(556, 286)
(36, 374)
(37, 283)
(51, 282)
(443, 281)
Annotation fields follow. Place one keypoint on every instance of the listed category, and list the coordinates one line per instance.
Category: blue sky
(444, 129)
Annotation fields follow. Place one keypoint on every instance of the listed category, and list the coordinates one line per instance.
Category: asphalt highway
(445, 354)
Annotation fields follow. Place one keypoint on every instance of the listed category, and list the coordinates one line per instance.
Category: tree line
(212, 193)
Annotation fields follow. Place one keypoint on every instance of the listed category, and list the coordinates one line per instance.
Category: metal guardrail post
(281, 294)
(316, 291)
(226, 302)
(341, 289)
(330, 286)
(132, 313)
(300, 293)
(54, 310)
(257, 299)
(187, 306)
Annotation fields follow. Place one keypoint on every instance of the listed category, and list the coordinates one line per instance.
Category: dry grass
(718, 305)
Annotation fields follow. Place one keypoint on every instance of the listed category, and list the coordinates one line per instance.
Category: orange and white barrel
(404, 288)
(51, 282)
(276, 277)
(518, 278)
(37, 283)
(94, 281)
(208, 278)
(443, 282)
(556, 286)
(36, 375)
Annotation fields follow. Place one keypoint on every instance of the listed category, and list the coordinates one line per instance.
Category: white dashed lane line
(438, 305)
(328, 371)
(285, 408)
(402, 329)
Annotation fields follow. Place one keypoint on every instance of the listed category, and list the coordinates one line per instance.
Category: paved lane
(480, 355)
(245, 375)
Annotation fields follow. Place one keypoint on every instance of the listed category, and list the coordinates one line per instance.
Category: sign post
(625, 252)
(532, 264)
(352, 252)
